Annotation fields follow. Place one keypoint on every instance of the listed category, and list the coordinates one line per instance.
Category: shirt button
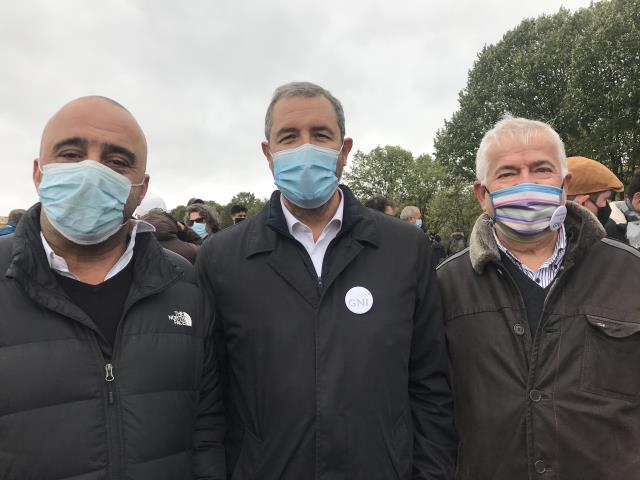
(535, 396)
(540, 467)
(518, 329)
(538, 280)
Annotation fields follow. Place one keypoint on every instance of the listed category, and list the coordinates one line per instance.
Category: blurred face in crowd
(97, 129)
(300, 120)
(594, 201)
(195, 217)
(512, 162)
(238, 217)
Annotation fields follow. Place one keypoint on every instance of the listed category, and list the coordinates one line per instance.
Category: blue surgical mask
(200, 229)
(306, 175)
(419, 223)
(84, 201)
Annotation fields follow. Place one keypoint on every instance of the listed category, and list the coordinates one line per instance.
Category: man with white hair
(412, 214)
(542, 322)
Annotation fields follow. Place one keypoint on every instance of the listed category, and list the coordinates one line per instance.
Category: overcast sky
(198, 76)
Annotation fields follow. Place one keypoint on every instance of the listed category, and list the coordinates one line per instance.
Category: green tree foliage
(384, 171)
(394, 173)
(579, 72)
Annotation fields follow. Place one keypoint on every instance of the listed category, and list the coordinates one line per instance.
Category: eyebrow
(323, 129)
(284, 131)
(110, 149)
(70, 142)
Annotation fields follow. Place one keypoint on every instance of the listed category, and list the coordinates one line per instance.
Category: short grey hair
(524, 130)
(409, 211)
(303, 89)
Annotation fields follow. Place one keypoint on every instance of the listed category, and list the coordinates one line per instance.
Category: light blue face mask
(200, 229)
(306, 175)
(419, 223)
(84, 201)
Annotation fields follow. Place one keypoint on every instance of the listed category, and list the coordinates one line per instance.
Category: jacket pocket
(401, 442)
(250, 459)
(611, 360)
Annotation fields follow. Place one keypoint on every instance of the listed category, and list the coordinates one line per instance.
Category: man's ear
(36, 175)
(347, 145)
(267, 153)
(481, 194)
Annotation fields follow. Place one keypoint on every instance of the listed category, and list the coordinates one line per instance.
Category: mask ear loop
(559, 214)
(493, 208)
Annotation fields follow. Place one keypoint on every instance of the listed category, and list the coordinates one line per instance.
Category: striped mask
(523, 212)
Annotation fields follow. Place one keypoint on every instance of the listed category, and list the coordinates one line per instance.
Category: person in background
(593, 186)
(173, 235)
(456, 243)
(202, 219)
(238, 213)
(12, 221)
(412, 214)
(335, 364)
(107, 364)
(382, 204)
(625, 215)
(437, 250)
(541, 315)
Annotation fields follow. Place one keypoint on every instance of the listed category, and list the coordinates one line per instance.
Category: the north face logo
(181, 318)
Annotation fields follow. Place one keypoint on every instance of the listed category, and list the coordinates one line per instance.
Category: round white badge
(358, 300)
(557, 219)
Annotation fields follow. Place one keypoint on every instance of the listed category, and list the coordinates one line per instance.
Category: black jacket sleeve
(435, 440)
(209, 456)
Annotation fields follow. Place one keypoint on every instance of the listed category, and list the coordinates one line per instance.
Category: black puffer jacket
(160, 415)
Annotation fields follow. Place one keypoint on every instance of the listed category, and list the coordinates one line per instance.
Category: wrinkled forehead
(512, 145)
(97, 122)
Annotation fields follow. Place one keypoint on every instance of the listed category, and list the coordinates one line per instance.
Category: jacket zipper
(109, 378)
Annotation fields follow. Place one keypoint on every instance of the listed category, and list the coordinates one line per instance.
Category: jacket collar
(30, 268)
(356, 219)
(582, 227)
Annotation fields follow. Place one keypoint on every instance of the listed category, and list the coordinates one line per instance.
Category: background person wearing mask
(412, 214)
(202, 219)
(238, 213)
(542, 323)
(173, 235)
(593, 186)
(107, 367)
(626, 215)
(336, 366)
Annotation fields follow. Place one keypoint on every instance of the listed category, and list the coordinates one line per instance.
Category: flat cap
(589, 176)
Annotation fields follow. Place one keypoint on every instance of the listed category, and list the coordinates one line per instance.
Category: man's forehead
(93, 120)
(296, 109)
(515, 150)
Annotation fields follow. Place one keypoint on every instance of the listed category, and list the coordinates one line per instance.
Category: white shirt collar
(59, 264)
(294, 223)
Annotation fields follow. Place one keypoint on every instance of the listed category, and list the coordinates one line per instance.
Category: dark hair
(210, 215)
(634, 184)
(237, 209)
(16, 215)
(378, 202)
(195, 201)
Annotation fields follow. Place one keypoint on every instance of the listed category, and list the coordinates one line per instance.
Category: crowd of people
(320, 338)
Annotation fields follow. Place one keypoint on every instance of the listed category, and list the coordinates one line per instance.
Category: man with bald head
(106, 364)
